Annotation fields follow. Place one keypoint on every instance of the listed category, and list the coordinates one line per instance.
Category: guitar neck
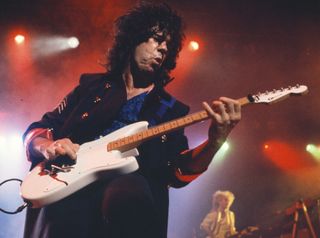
(130, 142)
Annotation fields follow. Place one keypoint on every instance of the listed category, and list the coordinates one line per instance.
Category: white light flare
(11, 147)
(50, 45)
(19, 39)
(73, 42)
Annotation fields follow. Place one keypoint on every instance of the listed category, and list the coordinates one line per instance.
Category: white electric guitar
(114, 154)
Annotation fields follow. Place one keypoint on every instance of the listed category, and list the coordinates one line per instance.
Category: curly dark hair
(137, 26)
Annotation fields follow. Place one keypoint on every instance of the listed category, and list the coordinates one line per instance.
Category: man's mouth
(156, 63)
(158, 60)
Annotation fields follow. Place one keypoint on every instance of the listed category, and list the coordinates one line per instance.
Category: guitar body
(94, 162)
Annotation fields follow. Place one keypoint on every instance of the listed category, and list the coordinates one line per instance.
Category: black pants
(124, 207)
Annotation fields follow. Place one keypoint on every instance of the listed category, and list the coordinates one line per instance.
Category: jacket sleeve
(178, 144)
(52, 121)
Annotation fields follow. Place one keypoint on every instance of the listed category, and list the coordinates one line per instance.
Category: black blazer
(93, 105)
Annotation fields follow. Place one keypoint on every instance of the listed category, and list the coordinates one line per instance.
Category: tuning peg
(266, 92)
(297, 85)
(274, 90)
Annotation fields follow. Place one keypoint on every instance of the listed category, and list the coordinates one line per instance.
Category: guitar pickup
(54, 169)
(63, 168)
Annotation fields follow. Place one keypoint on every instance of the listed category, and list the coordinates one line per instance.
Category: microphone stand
(302, 205)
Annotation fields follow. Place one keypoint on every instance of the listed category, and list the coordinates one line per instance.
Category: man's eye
(159, 39)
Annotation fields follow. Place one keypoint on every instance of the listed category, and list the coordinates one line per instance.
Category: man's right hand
(52, 149)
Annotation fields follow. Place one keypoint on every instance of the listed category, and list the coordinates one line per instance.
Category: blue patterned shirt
(128, 114)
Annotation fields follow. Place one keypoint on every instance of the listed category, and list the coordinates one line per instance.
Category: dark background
(245, 47)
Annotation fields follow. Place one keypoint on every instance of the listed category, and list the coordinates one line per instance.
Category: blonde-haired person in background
(220, 221)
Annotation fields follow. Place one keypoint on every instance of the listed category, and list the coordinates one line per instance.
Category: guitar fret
(161, 128)
(167, 126)
(189, 119)
(145, 134)
(204, 114)
(173, 124)
(134, 137)
(196, 117)
(140, 135)
(180, 122)
(185, 121)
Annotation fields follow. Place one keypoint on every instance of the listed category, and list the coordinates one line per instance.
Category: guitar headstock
(276, 95)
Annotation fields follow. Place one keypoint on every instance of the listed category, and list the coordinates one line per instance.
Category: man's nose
(163, 48)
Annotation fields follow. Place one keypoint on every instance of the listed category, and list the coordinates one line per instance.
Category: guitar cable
(19, 209)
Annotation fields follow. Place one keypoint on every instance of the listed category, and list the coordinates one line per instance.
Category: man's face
(149, 55)
(224, 202)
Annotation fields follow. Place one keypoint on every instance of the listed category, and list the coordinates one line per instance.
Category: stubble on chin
(144, 76)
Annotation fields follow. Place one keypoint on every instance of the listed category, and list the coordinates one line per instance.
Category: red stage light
(19, 39)
(193, 46)
(285, 155)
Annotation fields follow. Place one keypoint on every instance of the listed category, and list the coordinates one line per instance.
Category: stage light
(15, 141)
(225, 146)
(19, 39)
(311, 147)
(285, 155)
(73, 42)
(193, 46)
(12, 154)
(313, 150)
(266, 146)
(220, 155)
(11, 144)
(50, 45)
